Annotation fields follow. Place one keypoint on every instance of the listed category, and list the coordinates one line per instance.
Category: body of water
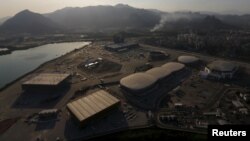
(18, 63)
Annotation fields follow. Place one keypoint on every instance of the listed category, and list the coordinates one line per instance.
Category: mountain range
(2, 20)
(98, 18)
(29, 22)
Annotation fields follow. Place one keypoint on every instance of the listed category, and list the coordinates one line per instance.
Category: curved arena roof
(187, 59)
(223, 66)
(138, 81)
(159, 72)
(173, 66)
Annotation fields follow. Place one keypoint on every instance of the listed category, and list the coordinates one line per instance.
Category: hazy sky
(11, 7)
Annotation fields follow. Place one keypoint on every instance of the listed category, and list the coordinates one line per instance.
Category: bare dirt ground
(196, 92)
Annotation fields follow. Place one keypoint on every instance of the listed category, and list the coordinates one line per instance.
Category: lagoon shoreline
(40, 66)
(12, 49)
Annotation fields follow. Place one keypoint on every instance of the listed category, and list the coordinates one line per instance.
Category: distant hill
(212, 23)
(180, 21)
(2, 20)
(242, 21)
(29, 22)
(100, 17)
(119, 17)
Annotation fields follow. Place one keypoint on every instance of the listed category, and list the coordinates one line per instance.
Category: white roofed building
(184, 59)
(91, 106)
(221, 69)
(138, 82)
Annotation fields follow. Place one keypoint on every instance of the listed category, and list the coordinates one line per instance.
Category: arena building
(92, 106)
(188, 60)
(221, 69)
(173, 66)
(145, 82)
(145, 88)
(138, 83)
(160, 73)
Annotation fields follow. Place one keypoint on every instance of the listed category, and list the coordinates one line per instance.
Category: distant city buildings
(192, 39)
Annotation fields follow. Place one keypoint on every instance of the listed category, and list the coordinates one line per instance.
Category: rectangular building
(42, 80)
(90, 106)
(121, 46)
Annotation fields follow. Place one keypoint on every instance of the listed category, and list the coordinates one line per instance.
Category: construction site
(98, 90)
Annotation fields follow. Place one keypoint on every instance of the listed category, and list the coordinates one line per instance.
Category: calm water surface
(18, 63)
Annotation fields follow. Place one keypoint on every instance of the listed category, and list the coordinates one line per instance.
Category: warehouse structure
(46, 80)
(121, 47)
(91, 106)
(188, 60)
(221, 69)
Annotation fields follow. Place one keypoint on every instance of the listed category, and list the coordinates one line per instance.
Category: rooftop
(159, 72)
(92, 104)
(138, 81)
(222, 66)
(173, 66)
(187, 59)
(120, 45)
(47, 79)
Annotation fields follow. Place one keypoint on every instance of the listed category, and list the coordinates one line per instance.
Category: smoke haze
(172, 17)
